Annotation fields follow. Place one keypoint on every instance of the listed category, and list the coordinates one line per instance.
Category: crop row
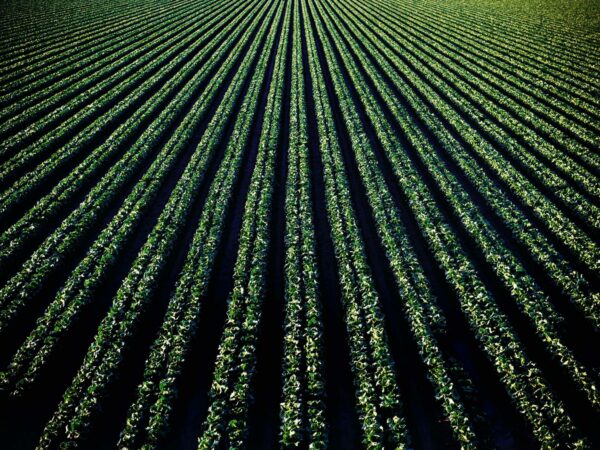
(489, 60)
(65, 52)
(100, 115)
(49, 70)
(230, 392)
(97, 163)
(459, 208)
(530, 46)
(523, 289)
(163, 367)
(523, 230)
(49, 92)
(527, 30)
(377, 396)
(36, 29)
(149, 415)
(476, 301)
(508, 136)
(302, 405)
(79, 288)
(423, 314)
(412, 72)
(119, 80)
(104, 357)
(513, 97)
(62, 242)
(526, 59)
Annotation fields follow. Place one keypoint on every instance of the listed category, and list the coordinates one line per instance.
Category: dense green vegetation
(300, 224)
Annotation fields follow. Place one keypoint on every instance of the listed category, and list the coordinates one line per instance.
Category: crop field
(324, 224)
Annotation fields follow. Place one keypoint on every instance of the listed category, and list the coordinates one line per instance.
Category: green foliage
(475, 122)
